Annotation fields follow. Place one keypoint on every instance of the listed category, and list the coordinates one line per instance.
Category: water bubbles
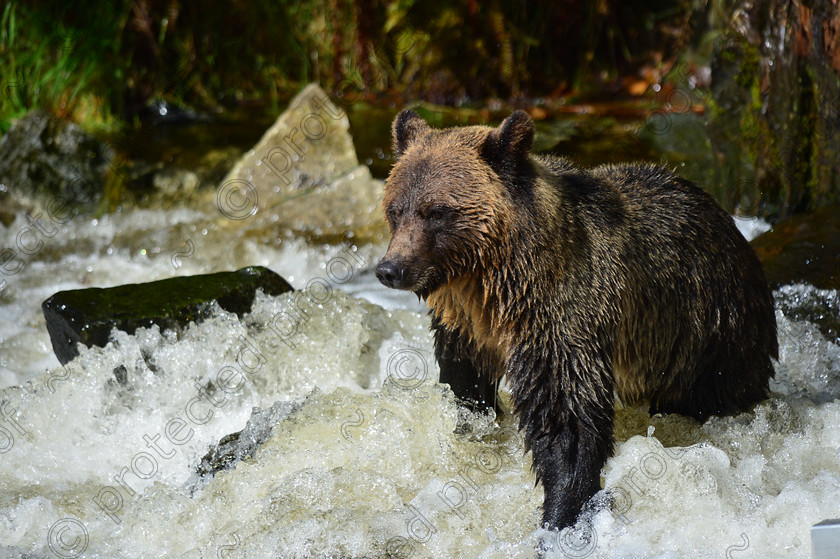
(367, 456)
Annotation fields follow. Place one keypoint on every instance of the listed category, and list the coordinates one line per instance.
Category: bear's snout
(389, 274)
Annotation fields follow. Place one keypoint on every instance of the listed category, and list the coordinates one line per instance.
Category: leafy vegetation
(104, 62)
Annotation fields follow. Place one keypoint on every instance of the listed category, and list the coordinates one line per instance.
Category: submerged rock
(45, 158)
(303, 177)
(243, 444)
(9, 208)
(153, 183)
(803, 248)
(820, 307)
(87, 316)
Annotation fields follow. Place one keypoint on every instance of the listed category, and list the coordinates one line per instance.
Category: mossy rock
(774, 97)
(87, 316)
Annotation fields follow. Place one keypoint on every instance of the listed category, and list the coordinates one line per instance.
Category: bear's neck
(465, 305)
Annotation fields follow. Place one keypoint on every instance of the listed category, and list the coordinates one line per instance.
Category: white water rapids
(364, 459)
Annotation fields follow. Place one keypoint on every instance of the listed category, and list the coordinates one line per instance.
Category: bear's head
(452, 199)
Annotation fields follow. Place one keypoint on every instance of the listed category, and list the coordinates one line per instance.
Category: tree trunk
(776, 106)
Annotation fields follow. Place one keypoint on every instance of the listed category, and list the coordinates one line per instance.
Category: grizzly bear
(575, 285)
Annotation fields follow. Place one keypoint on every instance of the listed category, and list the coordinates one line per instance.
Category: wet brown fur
(577, 285)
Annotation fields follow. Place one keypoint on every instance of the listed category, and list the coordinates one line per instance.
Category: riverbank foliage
(103, 62)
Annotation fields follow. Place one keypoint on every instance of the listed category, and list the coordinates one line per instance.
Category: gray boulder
(303, 176)
(45, 159)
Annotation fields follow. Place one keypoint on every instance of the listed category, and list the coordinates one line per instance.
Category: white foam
(144, 245)
(751, 227)
(368, 462)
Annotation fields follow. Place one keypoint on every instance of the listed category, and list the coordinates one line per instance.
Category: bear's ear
(407, 126)
(508, 145)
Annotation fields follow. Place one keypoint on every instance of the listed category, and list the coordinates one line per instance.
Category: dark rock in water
(88, 315)
(817, 306)
(237, 446)
(47, 158)
(121, 374)
(8, 208)
(803, 248)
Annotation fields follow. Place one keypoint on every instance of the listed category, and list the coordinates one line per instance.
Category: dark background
(763, 75)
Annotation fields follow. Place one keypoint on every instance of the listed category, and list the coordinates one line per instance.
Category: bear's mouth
(429, 281)
(422, 293)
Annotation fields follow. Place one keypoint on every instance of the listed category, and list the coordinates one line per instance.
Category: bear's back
(682, 272)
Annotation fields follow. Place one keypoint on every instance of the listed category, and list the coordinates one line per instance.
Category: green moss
(87, 316)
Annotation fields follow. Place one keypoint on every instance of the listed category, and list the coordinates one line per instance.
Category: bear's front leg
(473, 389)
(565, 405)
(569, 466)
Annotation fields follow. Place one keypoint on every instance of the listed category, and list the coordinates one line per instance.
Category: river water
(367, 455)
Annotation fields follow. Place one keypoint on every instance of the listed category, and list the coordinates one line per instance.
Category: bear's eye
(435, 214)
(394, 213)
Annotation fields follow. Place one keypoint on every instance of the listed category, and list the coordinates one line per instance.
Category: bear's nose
(389, 275)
